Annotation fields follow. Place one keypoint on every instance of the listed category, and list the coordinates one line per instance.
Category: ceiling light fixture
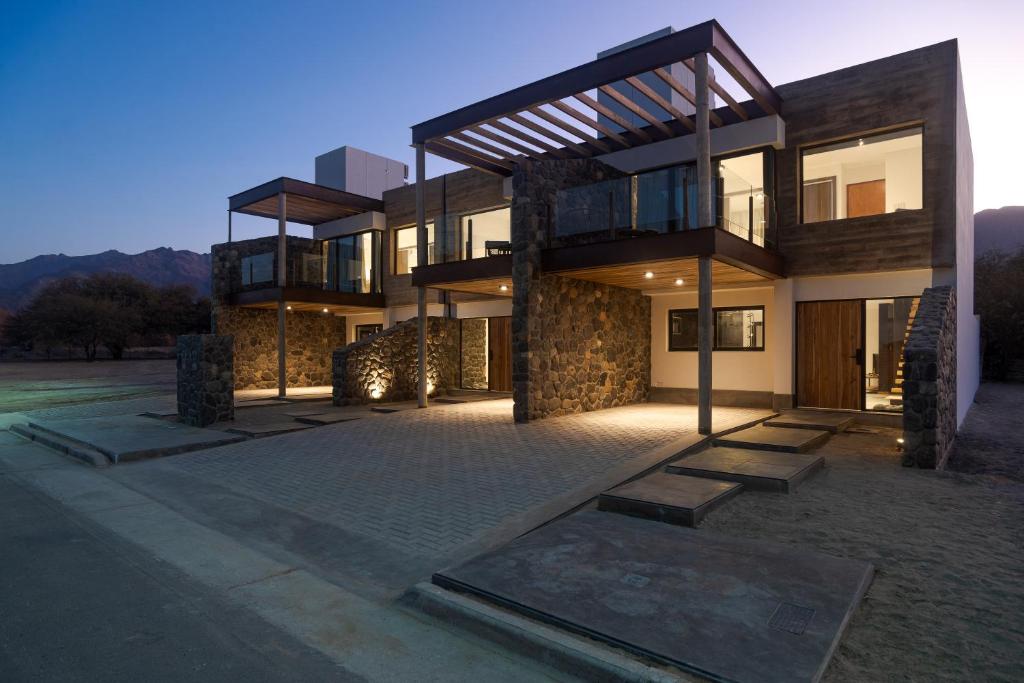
(288, 307)
(648, 275)
(679, 281)
(325, 310)
(503, 288)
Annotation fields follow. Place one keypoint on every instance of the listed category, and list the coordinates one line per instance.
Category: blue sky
(127, 125)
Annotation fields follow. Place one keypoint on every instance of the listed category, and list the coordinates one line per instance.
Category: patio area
(382, 503)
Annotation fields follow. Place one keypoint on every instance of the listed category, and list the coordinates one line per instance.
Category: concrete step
(70, 447)
(756, 470)
(787, 440)
(668, 498)
(801, 419)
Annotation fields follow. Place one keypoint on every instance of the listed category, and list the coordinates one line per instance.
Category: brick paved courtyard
(428, 487)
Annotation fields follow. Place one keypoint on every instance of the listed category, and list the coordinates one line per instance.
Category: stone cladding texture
(205, 379)
(929, 381)
(474, 353)
(384, 367)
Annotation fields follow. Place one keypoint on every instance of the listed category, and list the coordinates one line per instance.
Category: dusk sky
(127, 125)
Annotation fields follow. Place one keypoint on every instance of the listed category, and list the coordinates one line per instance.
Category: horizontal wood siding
(917, 86)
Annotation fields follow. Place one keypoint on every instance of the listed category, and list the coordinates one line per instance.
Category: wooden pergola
(558, 118)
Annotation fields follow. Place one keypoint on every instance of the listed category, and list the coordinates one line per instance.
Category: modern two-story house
(661, 223)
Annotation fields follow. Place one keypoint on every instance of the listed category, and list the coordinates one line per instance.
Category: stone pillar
(704, 344)
(421, 259)
(206, 379)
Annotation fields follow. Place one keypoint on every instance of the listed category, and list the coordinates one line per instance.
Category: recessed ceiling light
(648, 275)
(503, 288)
(288, 307)
(679, 281)
(325, 310)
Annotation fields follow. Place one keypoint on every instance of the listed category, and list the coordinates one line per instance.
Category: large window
(405, 248)
(258, 268)
(488, 230)
(352, 263)
(733, 329)
(864, 176)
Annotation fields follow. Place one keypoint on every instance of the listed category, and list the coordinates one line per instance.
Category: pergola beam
(478, 154)
(486, 146)
(502, 140)
(612, 116)
(593, 123)
(660, 101)
(570, 128)
(551, 135)
(634, 107)
(721, 92)
(448, 152)
(526, 137)
(674, 83)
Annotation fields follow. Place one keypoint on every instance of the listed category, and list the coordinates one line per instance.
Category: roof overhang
(306, 203)
(542, 120)
(309, 299)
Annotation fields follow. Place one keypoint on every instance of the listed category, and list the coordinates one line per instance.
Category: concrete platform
(671, 498)
(256, 431)
(756, 470)
(321, 419)
(719, 607)
(809, 419)
(133, 437)
(780, 439)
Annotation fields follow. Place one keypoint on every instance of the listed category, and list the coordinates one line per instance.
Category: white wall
(866, 285)
(742, 370)
(903, 180)
(360, 319)
(493, 308)
(968, 329)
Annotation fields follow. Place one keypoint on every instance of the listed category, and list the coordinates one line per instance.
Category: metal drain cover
(791, 618)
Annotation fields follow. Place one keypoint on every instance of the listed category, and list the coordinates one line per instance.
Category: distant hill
(159, 267)
(1000, 229)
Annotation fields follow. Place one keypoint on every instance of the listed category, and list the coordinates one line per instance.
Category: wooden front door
(865, 199)
(829, 354)
(499, 354)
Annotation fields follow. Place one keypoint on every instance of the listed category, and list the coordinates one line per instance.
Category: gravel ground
(947, 600)
(991, 440)
(35, 385)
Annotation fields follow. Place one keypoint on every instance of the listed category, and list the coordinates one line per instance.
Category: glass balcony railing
(348, 264)
(664, 201)
(460, 237)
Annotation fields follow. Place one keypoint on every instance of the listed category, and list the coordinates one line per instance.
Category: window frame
(393, 245)
(804, 149)
(714, 328)
(376, 247)
(379, 326)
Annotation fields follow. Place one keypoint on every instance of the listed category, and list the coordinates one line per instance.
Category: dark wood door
(865, 199)
(829, 354)
(499, 354)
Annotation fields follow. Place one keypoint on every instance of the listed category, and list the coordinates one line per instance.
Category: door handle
(859, 356)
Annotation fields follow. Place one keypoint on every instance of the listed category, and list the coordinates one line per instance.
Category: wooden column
(705, 218)
(229, 226)
(704, 344)
(282, 281)
(421, 259)
(705, 206)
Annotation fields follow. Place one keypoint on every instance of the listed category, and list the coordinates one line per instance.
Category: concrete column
(705, 205)
(421, 259)
(704, 344)
(282, 281)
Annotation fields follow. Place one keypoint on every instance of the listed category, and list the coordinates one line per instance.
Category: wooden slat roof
(308, 203)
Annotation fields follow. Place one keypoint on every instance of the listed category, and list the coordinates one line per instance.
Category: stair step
(670, 498)
(895, 400)
(782, 439)
(798, 419)
(897, 389)
(757, 470)
(70, 447)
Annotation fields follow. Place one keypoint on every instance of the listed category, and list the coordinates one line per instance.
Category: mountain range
(159, 267)
(999, 229)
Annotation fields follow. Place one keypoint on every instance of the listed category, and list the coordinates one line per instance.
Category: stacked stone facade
(304, 264)
(929, 384)
(309, 340)
(576, 346)
(384, 367)
(205, 379)
(474, 353)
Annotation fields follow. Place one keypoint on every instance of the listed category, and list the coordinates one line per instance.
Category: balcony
(467, 253)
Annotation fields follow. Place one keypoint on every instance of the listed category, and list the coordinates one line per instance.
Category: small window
(739, 329)
(405, 248)
(865, 176)
(257, 268)
(682, 330)
(364, 331)
(733, 329)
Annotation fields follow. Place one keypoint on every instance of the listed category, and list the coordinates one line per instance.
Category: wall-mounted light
(648, 275)
(860, 142)
(679, 282)
(899, 444)
(430, 387)
(502, 288)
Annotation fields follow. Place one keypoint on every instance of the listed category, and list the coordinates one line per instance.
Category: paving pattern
(425, 482)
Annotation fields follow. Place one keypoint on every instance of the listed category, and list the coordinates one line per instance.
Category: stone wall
(576, 346)
(474, 353)
(384, 367)
(205, 379)
(309, 340)
(929, 381)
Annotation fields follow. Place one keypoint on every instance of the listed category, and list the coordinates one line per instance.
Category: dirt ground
(43, 384)
(991, 440)
(947, 598)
